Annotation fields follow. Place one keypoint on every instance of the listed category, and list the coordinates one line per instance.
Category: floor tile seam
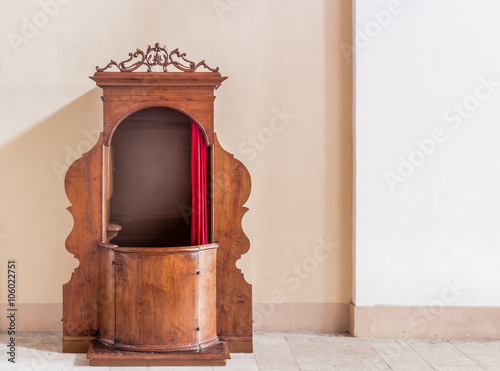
(461, 351)
(420, 355)
(380, 355)
(293, 354)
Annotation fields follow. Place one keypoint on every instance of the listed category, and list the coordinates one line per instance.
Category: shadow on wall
(338, 137)
(34, 219)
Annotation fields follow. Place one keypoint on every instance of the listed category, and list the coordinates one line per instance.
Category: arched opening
(152, 179)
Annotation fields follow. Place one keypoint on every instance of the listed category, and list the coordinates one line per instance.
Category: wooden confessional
(143, 293)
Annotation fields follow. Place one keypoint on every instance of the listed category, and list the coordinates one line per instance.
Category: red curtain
(199, 227)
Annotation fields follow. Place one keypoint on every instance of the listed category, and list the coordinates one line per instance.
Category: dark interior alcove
(151, 152)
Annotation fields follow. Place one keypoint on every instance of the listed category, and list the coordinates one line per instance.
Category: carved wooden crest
(157, 56)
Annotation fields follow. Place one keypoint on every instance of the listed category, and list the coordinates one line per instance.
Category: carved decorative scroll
(157, 56)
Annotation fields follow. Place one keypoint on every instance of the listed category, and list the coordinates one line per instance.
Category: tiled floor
(287, 351)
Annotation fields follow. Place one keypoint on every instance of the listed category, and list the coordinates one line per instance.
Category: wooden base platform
(215, 355)
(238, 344)
(73, 344)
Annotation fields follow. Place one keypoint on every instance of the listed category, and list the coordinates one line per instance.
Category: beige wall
(280, 56)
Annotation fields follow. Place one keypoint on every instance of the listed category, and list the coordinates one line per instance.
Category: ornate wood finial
(157, 56)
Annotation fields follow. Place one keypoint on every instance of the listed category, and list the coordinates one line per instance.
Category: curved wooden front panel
(207, 301)
(106, 314)
(164, 298)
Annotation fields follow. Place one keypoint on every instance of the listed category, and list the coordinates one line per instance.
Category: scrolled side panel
(83, 184)
(232, 184)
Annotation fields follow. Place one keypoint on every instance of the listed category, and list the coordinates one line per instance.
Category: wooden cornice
(153, 80)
